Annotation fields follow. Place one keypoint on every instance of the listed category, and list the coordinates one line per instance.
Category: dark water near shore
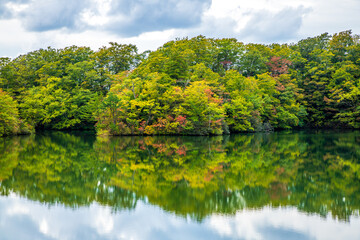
(295, 185)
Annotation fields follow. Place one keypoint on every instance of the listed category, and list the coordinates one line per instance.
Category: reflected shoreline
(189, 176)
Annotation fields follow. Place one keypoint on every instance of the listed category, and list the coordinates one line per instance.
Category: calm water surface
(302, 185)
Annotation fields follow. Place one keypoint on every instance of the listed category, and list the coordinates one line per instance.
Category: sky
(27, 25)
(24, 219)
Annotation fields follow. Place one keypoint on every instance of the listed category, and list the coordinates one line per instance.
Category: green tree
(9, 116)
(117, 57)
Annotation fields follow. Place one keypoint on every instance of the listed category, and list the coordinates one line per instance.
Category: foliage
(196, 86)
(10, 123)
(316, 172)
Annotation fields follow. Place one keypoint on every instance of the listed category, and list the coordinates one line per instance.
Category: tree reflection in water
(189, 176)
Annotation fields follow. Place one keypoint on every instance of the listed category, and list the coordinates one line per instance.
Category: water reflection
(199, 178)
(23, 219)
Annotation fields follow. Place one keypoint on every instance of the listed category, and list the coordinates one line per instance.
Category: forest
(189, 86)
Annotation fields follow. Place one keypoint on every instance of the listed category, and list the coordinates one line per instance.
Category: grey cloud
(269, 27)
(137, 16)
(44, 15)
(5, 12)
(156, 15)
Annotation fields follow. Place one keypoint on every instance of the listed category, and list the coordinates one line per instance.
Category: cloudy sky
(24, 219)
(27, 25)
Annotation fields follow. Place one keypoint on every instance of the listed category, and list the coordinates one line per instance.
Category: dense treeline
(188, 86)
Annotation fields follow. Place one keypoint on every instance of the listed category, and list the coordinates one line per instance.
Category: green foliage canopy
(196, 86)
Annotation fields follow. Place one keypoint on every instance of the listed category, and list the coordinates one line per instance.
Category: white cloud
(104, 222)
(96, 22)
(38, 221)
(15, 40)
(287, 223)
(99, 18)
(44, 227)
(331, 16)
(18, 209)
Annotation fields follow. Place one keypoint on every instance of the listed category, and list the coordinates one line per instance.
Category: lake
(282, 185)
